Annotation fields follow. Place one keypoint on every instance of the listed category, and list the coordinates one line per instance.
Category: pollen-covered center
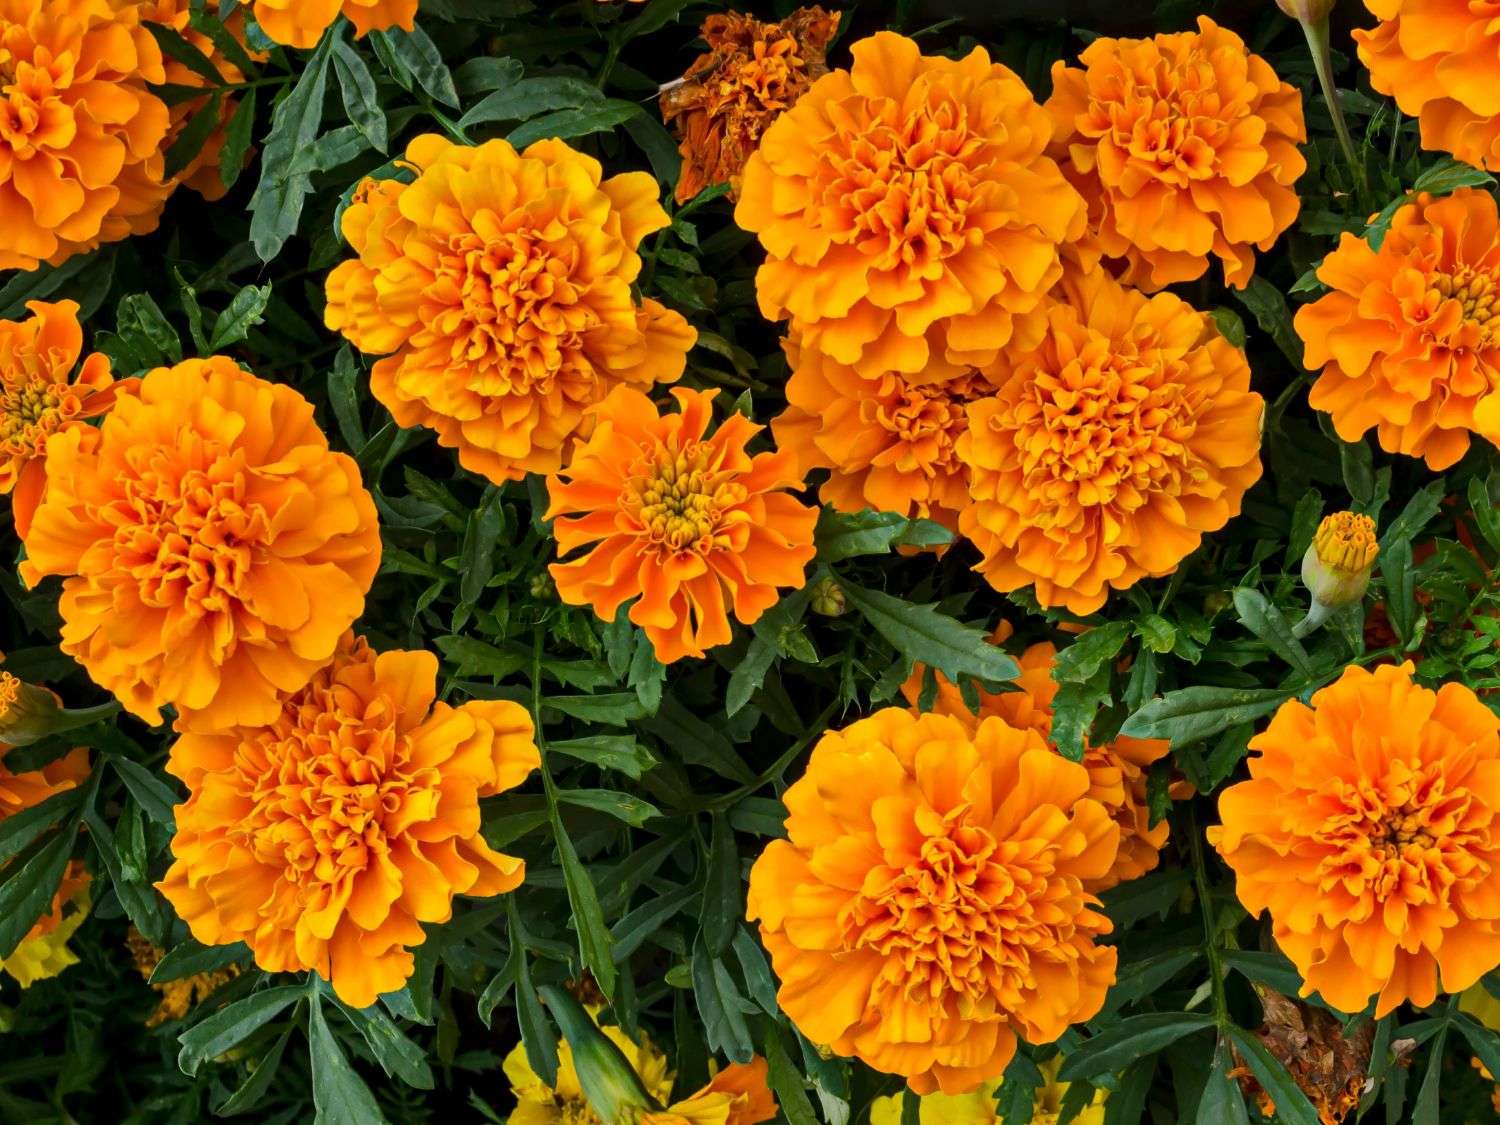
(1475, 297)
(679, 498)
(29, 411)
(1346, 541)
(10, 692)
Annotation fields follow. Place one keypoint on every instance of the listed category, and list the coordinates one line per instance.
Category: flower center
(1477, 293)
(1346, 541)
(929, 420)
(679, 499)
(28, 414)
(10, 692)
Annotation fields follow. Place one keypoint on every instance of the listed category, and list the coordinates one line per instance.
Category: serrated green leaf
(1122, 1043)
(211, 1037)
(340, 1096)
(926, 636)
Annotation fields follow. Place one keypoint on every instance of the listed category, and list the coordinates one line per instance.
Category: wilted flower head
(301, 23)
(1370, 831)
(1185, 147)
(180, 996)
(753, 72)
(1408, 338)
(1336, 568)
(930, 902)
(497, 285)
(908, 212)
(326, 836)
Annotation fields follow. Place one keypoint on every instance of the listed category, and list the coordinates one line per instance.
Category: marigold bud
(542, 587)
(611, 1085)
(1307, 11)
(1337, 566)
(27, 712)
(828, 599)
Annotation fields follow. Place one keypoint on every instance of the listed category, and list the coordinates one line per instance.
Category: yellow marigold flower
(1336, 568)
(213, 549)
(1408, 339)
(178, 997)
(752, 72)
(890, 442)
(1185, 146)
(1437, 58)
(1117, 770)
(979, 1108)
(44, 952)
(930, 904)
(565, 1103)
(43, 389)
(326, 836)
(497, 285)
(737, 1095)
(1111, 447)
(80, 131)
(686, 522)
(908, 211)
(1368, 831)
(301, 23)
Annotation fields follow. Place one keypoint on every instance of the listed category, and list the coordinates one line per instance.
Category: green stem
(1210, 928)
(75, 718)
(1317, 44)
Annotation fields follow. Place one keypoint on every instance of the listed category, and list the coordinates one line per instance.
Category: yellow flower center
(10, 692)
(679, 499)
(1477, 293)
(28, 414)
(1346, 541)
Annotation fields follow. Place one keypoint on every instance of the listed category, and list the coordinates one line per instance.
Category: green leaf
(647, 674)
(30, 884)
(530, 97)
(1081, 661)
(1486, 515)
(1230, 326)
(144, 906)
(588, 918)
(19, 831)
(569, 124)
(1127, 1105)
(696, 742)
(190, 958)
(237, 137)
(361, 99)
(1417, 514)
(1449, 174)
(1292, 1106)
(723, 893)
(474, 657)
(608, 751)
(340, 1096)
(478, 556)
(847, 535)
(1486, 1042)
(756, 971)
(479, 76)
(209, 1038)
(193, 136)
(632, 930)
(1122, 1043)
(1426, 1110)
(276, 206)
(1267, 622)
(245, 311)
(1400, 587)
(749, 674)
(1073, 710)
(1144, 976)
(1190, 714)
(622, 806)
(343, 396)
(538, 1035)
(1222, 1103)
(720, 1005)
(925, 636)
(1266, 303)
(255, 1087)
(397, 1055)
(415, 62)
(616, 708)
(174, 46)
(787, 1081)
(1016, 1099)
(142, 323)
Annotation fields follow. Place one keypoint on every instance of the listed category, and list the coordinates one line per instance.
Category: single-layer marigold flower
(80, 131)
(890, 442)
(908, 212)
(686, 522)
(301, 23)
(930, 904)
(1185, 147)
(1408, 340)
(180, 996)
(1438, 59)
(564, 1102)
(1117, 770)
(980, 1108)
(752, 73)
(325, 837)
(1369, 831)
(497, 284)
(213, 548)
(1110, 448)
(43, 389)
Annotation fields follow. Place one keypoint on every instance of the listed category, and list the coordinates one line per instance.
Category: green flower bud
(27, 713)
(828, 599)
(1337, 566)
(1307, 11)
(609, 1082)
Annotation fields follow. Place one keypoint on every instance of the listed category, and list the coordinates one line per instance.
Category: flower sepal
(610, 1083)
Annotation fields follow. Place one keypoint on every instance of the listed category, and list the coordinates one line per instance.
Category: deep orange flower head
(43, 389)
(301, 23)
(686, 522)
(1110, 448)
(930, 903)
(753, 72)
(1438, 59)
(908, 212)
(1408, 339)
(325, 837)
(1370, 832)
(213, 549)
(890, 442)
(497, 285)
(80, 132)
(1185, 147)
(1117, 770)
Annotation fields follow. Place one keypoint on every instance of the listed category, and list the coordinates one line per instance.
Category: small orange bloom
(1438, 59)
(890, 442)
(929, 905)
(213, 549)
(1370, 831)
(737, 1095)
(1110, 448)
(325, 837)
(1185, 146)
(689, 524)
(1117, 770)
(80, 131)
(497, 284)
(752, 73)
(40, 394)
(301, 23)
(908, 212)
(1409, 338)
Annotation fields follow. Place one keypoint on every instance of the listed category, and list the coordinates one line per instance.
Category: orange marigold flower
(497, 284)
(930, 904)
(43, 389)
(1409, 337)
(80, 131)
(1438, 59)
(301, 23)
(891, 442)
(737, 1095)
(908, 212)
(1110, 448)
(752, 73)
(688, 523)
(325, 837)
(1117, 770)
(1370, 831)
(1185, 146)
(213, 548)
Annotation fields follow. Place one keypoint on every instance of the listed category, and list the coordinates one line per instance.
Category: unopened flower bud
(1307, 11)
(828, 599)
(27, 713)
(542, 587)
(613, 1089)
(1337, 566)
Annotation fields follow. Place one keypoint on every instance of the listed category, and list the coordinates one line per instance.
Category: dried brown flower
(1331, 1068)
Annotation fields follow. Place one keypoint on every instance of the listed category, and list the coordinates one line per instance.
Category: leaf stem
(1317, 44)
(1210, 927)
